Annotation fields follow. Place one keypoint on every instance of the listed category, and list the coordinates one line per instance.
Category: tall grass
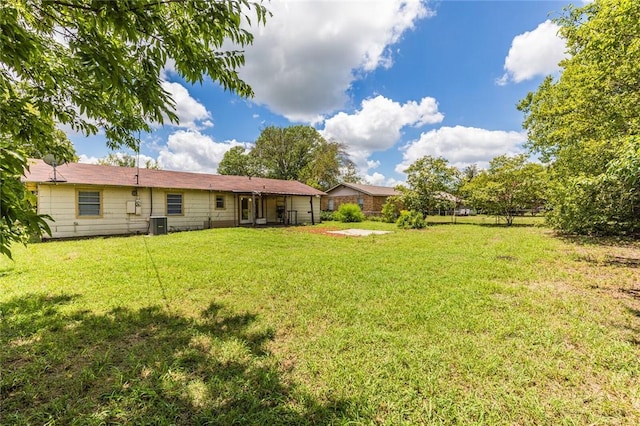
(455, 324)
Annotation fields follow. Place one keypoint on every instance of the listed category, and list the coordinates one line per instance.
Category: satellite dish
(54, 162)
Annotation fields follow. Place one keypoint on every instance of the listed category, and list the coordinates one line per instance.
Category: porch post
(253, 208)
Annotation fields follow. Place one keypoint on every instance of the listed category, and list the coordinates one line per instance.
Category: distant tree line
(127, 160)
(510, 186)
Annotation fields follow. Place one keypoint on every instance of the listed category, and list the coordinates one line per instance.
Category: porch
(259, 208)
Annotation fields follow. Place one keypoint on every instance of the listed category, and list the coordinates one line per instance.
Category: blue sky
(393, 80)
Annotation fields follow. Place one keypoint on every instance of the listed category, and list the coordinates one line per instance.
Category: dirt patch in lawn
(337, 232)
(315, 230)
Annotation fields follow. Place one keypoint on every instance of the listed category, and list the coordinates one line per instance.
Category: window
(219, 201)
(330, 205)
(174, 204)
(361, 203)
(89, 203)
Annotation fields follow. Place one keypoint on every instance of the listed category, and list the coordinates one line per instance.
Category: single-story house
(370, 198)
(91, 200)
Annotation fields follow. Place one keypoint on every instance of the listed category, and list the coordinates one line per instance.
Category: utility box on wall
(158, 225)
(134, 207)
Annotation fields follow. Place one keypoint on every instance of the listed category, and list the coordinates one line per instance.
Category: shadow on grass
(145, 367)
(635, 339)
(627, 262)
(486, 225)
(594, 240)
(9, 271)
(615, 261)
(634, 293)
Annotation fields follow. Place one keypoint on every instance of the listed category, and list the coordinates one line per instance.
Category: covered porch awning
(270, 208)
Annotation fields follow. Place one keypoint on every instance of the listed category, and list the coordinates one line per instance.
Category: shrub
(411, 220)
(349, 212)
(326, 215)
(391, 209)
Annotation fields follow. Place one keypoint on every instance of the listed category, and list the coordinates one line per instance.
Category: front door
(246, 210)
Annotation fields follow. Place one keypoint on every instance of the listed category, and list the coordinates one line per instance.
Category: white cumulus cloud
(534, 53)
(462, 146)
(378, 124)
(304, 60)
(379, 179)
(189, 150)
(191, 113)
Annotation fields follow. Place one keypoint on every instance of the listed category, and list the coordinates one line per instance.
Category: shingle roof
(92, 174)
(373, 190)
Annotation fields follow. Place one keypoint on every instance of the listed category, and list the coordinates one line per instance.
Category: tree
(428, 179)
(586, 121)
(292, 153)
(19, 219)
(95, 66)
(329, 165)
(604, 203)
(470, 172)
(510, 186)
(126, 160)
(61, 148)
(238, 162)
(119, 159)
(283, 153)
(350, 173)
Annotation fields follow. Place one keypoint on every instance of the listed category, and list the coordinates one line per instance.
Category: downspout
(151, 211)
(311, 202)
(209, 206)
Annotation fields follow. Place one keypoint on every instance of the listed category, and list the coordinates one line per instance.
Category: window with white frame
(174, 204)
(89, 203)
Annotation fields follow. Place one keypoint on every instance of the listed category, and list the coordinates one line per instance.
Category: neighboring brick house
(370, 198)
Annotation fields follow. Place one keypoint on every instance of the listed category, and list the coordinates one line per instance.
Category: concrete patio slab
(358, 232)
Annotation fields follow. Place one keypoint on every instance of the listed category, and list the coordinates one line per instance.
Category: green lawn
(453, 324)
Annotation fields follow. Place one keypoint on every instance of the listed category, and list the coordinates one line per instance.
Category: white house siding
(195, 209)
(199, 210)
(225, 217)
(303, 207)
(60, 202)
